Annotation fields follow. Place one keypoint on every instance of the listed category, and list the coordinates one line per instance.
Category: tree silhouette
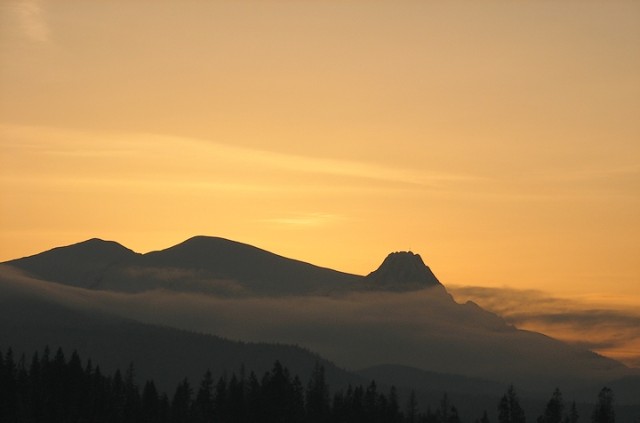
(509, 409)
(132, 401)
(484, 419)
(57, 390)
(317, 396)
(150, 403)
(236, 407)
(554, 409)
(370, 402)
(392, 413)
(412, 408)
(603, 411)
(446, 412)
(573, 416)
(202, 407)
(181, 402)
(282, 400)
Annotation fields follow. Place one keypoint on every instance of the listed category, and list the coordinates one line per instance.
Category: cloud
(203, 163)
(304, 219)
(32, 19)
(610, 326)
(423, 329)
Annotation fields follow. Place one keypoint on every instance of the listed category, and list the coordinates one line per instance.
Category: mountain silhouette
(402, 271)
(256, 270)
(79, 264)
(399, 314)
(201, 264)
(217, 266)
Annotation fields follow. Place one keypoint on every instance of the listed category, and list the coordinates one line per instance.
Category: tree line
(54, 389)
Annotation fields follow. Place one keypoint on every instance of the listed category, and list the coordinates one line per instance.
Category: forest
(52, 388)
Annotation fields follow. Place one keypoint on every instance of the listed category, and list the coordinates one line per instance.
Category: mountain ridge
(76, 263)
(214, 265)
(400, 313)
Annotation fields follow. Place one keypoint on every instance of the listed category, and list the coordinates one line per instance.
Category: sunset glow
(501, 141)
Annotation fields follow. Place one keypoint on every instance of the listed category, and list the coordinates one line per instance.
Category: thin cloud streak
(304, 219)
(601, 324)
(209, 155)
(31, 17)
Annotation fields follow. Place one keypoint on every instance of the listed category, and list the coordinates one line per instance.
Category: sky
(500, 140)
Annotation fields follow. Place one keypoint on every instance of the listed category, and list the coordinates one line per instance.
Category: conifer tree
(603, 411)
(253, 395)
(131, 407)
(317, 396)
(393, 409)
(509, 409)
(220, 399)
(443, 410)
(150, 403)
(573, 416)
(484, 419)
(236, 398)
(203, 404)
(554, 410)
(181, 403)
(370, 401)
(412, 408)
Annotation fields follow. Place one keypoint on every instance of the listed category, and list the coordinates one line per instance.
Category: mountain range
(214, 303)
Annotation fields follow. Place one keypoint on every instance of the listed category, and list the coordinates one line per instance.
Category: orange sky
(500, 141)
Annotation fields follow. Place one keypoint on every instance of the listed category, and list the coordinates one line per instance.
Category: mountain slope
(255, 270)
(34, 315)
(398, 314)
(201, 264)
(80, 264)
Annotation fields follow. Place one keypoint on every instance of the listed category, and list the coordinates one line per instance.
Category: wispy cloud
(33, 21)
(303, 219)
(423, 328)
(201, 161)
(597, 173)
(606, 325)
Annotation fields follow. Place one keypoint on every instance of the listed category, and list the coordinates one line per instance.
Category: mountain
(76, 265)
(402, 271)
(256, 270)
(400, 314)
(34, 315)
(431, 381)
(201, 264)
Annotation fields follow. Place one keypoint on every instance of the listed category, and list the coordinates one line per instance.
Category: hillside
(399, 314)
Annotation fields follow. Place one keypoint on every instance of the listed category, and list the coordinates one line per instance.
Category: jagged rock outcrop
(402, 271)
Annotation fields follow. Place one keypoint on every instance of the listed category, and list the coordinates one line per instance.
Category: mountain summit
(402, 271)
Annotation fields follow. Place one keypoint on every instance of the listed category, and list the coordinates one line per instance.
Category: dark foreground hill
(30, 321)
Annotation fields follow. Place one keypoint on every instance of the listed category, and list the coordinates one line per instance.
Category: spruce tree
(554, 409)
(317, 396)
(573, 416)
(412, 408)
(181, 403)
(202, 407)
(509, 409)
(484, 419)
(603, 411)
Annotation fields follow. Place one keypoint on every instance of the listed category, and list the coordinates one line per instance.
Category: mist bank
(423, 329)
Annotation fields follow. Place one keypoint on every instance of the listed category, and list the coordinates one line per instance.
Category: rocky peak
(401, 271)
